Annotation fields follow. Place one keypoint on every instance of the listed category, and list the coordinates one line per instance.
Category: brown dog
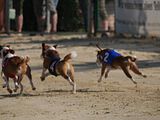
(14, 67)
(111, 59)
(56, 66)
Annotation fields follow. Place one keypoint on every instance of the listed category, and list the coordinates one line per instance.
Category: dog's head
(100, 55)
(4, 50)
(49, 51)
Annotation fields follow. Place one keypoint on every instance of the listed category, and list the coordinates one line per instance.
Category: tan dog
(109, 59)
(56, 66)
(14, 67)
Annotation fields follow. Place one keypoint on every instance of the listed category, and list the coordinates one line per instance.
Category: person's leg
(54, 19)
(1, 15)
(19, 23)
(40, 18)
(103, 15)
(18, 5)
(1, 20)
(52, 5)
(84, 5)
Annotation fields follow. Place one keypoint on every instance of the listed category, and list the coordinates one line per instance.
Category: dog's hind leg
(135, 69)
(21, 88)
(43, 75)
(29, 75)
(70, 80)
(16, 83)
(71, 74)
(126, 71)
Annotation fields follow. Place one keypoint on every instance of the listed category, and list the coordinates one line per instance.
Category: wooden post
(90, 20)
(95, 9)
(7, 20)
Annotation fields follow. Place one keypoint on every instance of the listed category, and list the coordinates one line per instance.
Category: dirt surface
(115, 98)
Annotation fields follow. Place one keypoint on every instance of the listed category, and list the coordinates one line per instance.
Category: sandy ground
(115, 98)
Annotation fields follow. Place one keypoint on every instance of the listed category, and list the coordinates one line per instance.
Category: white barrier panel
(138, 17)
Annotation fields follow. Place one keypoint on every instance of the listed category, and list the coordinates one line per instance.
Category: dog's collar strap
(109, 56)
(52, 67)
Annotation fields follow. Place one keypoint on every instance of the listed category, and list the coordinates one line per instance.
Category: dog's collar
(52, 67)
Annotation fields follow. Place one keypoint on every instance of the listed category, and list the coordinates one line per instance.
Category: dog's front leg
(102, 72)
(4, 84)
(7, 84)
(43, 75)
(108, 69)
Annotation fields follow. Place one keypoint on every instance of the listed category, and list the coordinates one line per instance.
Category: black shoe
(104, 35)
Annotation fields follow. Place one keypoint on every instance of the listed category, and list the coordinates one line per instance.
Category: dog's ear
(7, 46)
(98, 51)
(43, 44)
(97, 45)
(11, 51)
(55, 46)
(1, 47)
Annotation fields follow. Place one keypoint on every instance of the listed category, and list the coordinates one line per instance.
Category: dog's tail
(26, 59)
(132, 58)
(17, 60)
(71, 55)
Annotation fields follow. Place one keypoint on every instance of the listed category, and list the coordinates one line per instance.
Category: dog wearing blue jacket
(111, 59)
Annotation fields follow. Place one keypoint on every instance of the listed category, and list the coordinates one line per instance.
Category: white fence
(140, 17)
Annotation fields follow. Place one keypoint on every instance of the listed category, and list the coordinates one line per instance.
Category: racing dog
(110, 58)
(57, 66)
(14, 67)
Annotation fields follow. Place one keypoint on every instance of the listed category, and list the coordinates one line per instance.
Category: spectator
(39, 13)
(104, 17)
(52, 7)
(1, 15)
(18, 6)
(83, 5)
(102, 12)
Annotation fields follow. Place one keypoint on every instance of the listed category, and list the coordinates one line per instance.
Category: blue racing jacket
(109, 56)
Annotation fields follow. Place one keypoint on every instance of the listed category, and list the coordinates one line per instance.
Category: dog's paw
(4, 85)
(10, 91)
(15, 90)
(106, 75)
(135, 83)
(99, 80)
(145, 76)
(33, 88)
(42, 78)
